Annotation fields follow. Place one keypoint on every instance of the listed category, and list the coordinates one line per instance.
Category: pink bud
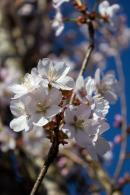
(118, 121)
(118, 139)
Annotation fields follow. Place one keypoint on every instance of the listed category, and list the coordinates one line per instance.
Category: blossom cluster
(43, 95)
(106, 12)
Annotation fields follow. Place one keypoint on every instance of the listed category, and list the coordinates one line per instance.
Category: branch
(124, 115)
(100, 174)
(87, 55)
(52, 154)
(78, 2)
(89, 49)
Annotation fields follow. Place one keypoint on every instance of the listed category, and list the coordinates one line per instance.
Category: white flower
(86, 129)
(31, 82)
(36, 109)
(99, 145)
(107, 10)
(55, 73)
(77, 119)
(58, 3)
(20, 109)
(58, 24)
(85, 87)
(108, 86)
(44, 105)
(86, 92)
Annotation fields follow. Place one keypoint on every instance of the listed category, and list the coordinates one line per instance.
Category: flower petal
(90, 86)
(102, 146)
(66, 83)
(19, 90)
(97, 76)
(52, 111)
(19, 124)
(62, 69)
(41, 122)
(104, 126)
(54, 96)
(83, 112)
(43, 67)
(80, 83)
(17, 108)
(69, 115)
(81, 137)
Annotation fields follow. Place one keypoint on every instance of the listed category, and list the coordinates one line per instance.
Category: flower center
(78, 123)
(42, 108)
(52, 74)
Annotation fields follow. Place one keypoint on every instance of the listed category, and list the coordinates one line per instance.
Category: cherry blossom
(20, 109)
(45, 103)
(108, 86)
(35, 109)
(87, 93)
(31, 81)
(85, 87)
(58, 24)
(55, 73)
(107, 10)
(86, 129)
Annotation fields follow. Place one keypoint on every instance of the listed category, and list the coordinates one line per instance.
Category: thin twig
(86, 60)
(52, 154)
(124, 115)
(87, 55)
(78, 2)
(100, 174)
(89, 49)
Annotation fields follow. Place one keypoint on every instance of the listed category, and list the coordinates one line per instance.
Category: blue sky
(115, 109)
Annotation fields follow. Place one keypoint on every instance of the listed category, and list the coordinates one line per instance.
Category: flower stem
(52, 154)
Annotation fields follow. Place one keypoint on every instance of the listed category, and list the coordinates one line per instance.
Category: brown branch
(124, 115)
(52, 154)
